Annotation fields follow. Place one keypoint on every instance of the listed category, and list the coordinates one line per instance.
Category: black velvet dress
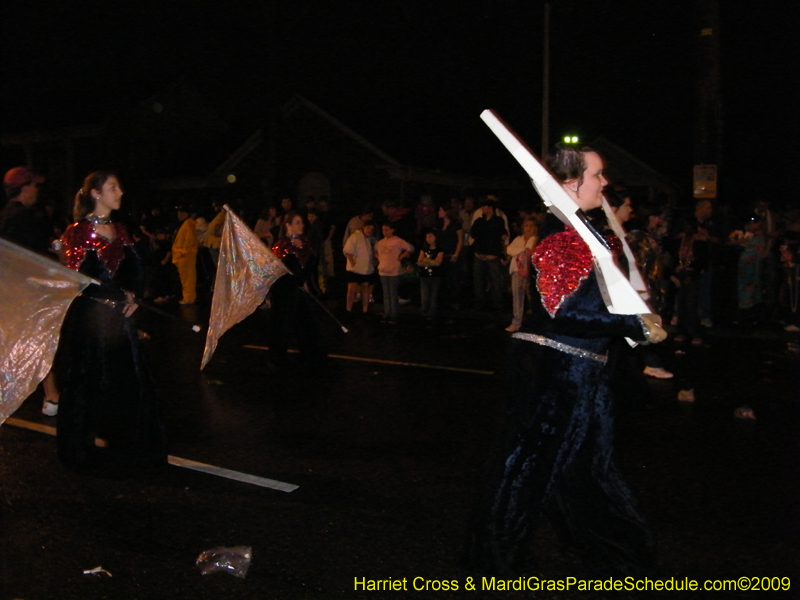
(293, 308)
(106, 388)
(558, 458)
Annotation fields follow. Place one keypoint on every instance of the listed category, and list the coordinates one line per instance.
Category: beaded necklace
(98, 220)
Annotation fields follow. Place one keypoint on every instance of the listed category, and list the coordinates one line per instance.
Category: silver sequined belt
(543, 341)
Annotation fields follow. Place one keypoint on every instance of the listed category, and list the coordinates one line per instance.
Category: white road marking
(388, 362)
(176, 461)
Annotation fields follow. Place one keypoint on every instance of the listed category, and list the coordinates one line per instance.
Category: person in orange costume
(184, 255)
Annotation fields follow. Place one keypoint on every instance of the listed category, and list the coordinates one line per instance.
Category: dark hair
(451, 213)
(567, 162)
(84, 203)
(432, 231)
(616, 198)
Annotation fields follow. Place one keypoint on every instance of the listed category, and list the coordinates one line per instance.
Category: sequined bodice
(285, 247)
(81, 238)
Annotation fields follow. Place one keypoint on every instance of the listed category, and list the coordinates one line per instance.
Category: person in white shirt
(357, 222)
(520, 251)
(360, 254)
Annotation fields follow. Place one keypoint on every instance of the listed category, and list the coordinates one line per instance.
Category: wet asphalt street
(388, 458)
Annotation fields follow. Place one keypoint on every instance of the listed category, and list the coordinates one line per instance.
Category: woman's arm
(516, 247)
(407, 250)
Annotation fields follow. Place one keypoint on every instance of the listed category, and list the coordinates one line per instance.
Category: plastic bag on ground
(234, 560)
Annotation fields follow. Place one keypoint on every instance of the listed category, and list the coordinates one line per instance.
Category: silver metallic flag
(35, 293)
(246, 271)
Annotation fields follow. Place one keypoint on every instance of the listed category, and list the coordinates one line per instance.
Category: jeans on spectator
(391, 307)
(490, 270)
(429, 292)
(519, 289)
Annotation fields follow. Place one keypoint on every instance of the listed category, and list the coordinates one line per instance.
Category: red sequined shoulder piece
(284, 246)
(281, 247)
(80, 237)
(563, 261)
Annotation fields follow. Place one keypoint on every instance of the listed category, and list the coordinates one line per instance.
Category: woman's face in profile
(109, 196)
(625, 212)
(589, 194)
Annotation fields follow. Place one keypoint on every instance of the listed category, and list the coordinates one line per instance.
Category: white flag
(35, 293)
(246, 271)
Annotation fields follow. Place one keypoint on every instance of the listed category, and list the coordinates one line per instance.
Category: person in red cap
(22, 224)
(19, 221)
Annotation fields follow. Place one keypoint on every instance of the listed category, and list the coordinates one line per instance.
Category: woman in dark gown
(107, 390)
(557, 462)
(292, 306)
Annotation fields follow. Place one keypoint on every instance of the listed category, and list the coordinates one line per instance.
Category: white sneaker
(50, 408)
(658, 373)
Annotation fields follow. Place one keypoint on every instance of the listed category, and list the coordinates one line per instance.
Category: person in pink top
(390, 251)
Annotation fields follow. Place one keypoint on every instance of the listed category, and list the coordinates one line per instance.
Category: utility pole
(708, 108)
(270, 15)
(546, 84)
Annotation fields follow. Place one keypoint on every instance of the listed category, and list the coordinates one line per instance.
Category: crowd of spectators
(701, 270)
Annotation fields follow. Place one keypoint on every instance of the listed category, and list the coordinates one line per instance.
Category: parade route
(386, 460)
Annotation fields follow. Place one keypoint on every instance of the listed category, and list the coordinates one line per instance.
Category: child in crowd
(390, 251)
(429, 265)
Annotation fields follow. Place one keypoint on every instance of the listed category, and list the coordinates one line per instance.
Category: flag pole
(325, 308)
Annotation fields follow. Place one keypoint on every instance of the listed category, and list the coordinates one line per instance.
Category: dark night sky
(413, 76)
